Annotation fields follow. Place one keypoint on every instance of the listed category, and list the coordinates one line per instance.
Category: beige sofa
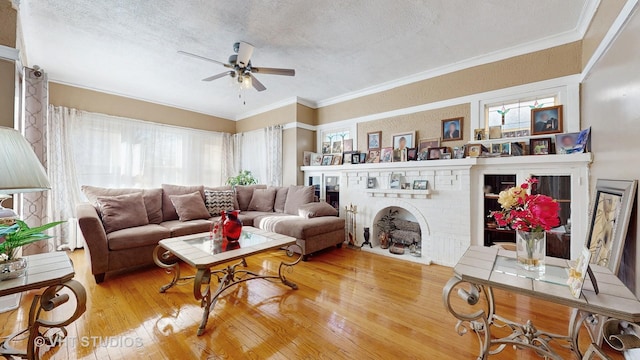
(122, 227)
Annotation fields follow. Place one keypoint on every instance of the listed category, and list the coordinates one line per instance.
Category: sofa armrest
(95, 237)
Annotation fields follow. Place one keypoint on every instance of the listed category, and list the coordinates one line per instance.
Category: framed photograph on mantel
(374, 140)
(546, 120)
(452, 129)
(403, 140)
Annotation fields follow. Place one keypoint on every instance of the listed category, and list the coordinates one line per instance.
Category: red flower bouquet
(525, 212)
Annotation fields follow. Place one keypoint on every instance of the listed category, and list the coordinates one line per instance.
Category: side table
(51, 272)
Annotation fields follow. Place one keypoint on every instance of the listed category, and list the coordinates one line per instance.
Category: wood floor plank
(350, 305)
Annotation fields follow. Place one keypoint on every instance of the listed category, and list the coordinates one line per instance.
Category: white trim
(273, 106)
(551, 85)
(615, 29)
(9, 53)
(538, 45)
(586, 16)
(299, 125)
(218, 115)
(307, 103)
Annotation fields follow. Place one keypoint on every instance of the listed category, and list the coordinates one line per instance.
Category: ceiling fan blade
(256, 84)
(202, 58)
(211, 78)
(244, 54)
(274, 71)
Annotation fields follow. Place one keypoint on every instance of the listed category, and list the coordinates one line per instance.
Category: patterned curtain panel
(33, 206)
(273, 139)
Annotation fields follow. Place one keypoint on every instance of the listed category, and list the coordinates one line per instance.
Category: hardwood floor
(350, 305)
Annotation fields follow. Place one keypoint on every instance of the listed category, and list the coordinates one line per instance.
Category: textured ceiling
(337, 47)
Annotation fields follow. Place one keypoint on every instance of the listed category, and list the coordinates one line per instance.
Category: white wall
(611, 106)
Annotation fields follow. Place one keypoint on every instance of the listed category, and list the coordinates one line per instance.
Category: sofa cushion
(152, 199)
(168, 210)
(298, 227)
(217, 201)
(179, 228)
(225, 188)
(317, 209)
(281, 198)
(247, 217)
(244, 194)
(190, 206)
(297, 196)
(262, 200)
(137, 237)
(122, 211)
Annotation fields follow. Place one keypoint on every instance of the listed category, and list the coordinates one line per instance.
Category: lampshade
(20, 169)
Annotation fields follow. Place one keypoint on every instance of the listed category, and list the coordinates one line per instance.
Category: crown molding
(618, 24)
(9, 53)
(299, 125)
(225, 116)
(588, 12)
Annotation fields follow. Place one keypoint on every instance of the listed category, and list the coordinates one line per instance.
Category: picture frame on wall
(424, 145)
(336, 147)
(547, 120)
(540, 146)
(404, 140)
(386, 155)
(374, 140)
(573, 143)
(479, 134)
(337, 160)
(412, 154)
(326, 160)
(355, 158)
(452, 129)
(306, 158)
(347, 157)
(373, 156)
(371, 183)
(395, 180)
(326, 147)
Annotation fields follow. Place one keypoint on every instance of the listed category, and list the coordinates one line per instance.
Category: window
(517, 114)
(333, 141)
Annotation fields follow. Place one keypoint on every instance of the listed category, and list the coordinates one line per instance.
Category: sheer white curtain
(118, 152)
(260, 151)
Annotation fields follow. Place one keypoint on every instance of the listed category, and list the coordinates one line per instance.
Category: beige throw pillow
(262, 200)
(122, 211)
(245, 193)
(152, 199)
(190, 206)
(281, 198)
(168, 210)
(298, 196)
(317, 209)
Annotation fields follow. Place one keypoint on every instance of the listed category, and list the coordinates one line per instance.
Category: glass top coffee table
(202, 253)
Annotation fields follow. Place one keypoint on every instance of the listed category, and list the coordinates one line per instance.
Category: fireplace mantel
(450, 212)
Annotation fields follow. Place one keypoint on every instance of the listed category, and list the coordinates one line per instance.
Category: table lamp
(20, 169)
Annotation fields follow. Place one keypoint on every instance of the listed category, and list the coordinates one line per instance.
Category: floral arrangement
(14, 236)
(244, 177)
(525, 212)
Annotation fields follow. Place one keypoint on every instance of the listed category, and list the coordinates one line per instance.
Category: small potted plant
(243, 178)
(385, 226)
(12, 238)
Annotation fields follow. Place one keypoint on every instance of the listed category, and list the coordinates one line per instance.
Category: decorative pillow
(244, 194)
(262, 200)
(281, 197)
(168, 210)
(223, 188)
(317, 209)
(217, 201)
(152, 199)
(122, 211)
(189, 206)
(298, 196)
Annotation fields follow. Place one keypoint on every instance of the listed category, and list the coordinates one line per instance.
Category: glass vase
(531, 249)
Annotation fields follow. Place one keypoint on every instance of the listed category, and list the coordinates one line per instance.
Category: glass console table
(482, 269)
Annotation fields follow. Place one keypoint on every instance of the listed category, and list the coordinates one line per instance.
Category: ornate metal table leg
(47, 301)
(203, 277)
(289, 266)
(170, 268)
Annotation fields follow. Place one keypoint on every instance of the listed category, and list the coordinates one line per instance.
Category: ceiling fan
(241, 67)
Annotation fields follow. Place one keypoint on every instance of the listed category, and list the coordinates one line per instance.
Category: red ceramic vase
(232, 226)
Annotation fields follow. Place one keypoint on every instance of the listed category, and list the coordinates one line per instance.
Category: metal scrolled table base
(47, 301)
(226, 277)
(522, 335)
